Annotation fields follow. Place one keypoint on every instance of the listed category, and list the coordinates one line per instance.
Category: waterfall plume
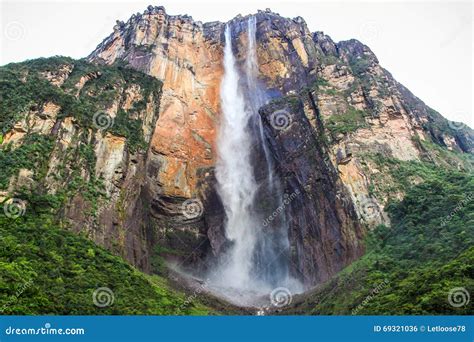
(234, 173)
(258, 255)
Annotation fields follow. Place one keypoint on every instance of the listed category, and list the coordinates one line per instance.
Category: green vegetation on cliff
(82, 90)
(86, 89)
(346, 122)
(30, 155)
(411, 267)
(44, 269)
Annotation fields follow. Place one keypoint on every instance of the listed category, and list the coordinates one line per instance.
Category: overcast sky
(427, 46)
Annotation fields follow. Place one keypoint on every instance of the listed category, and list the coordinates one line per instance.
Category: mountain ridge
(156, 80)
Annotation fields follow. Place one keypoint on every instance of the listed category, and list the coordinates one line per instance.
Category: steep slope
(128, 159)
(45, 269)
(79, 133)
(423, 264)
(71, 158)
(164, 36)
(350, 107)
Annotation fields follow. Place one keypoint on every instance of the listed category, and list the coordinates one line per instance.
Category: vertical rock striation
(77, 139)
(341, 104)
(329, 106)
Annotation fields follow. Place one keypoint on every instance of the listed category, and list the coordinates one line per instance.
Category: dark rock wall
(319, 82)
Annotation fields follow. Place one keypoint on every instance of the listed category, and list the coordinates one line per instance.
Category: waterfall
(234, 173)
(256, 95)
(257, 260)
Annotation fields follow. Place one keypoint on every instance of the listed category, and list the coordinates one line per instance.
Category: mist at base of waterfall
(257, 295)
(252, 297)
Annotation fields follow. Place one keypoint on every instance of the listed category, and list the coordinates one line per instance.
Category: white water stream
(257, 260)
(234, 172)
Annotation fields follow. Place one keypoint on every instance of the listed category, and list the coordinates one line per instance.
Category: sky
(427, 45)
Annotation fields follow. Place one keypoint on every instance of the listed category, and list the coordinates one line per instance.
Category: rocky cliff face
(349, 107)
(75, 142)
(331, 105)
(186, 56)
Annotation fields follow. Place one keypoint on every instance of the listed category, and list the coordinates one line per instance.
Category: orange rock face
(352, 106)
(186, 129)
(190, 66)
